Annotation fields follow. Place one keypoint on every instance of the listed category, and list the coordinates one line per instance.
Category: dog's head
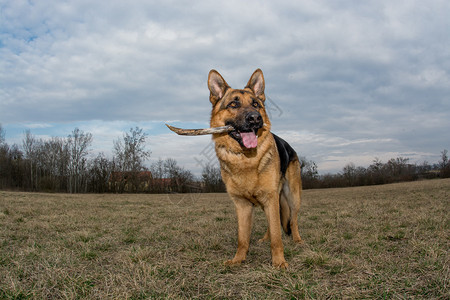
(244, 109)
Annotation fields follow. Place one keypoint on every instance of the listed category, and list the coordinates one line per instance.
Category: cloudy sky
(348, 81)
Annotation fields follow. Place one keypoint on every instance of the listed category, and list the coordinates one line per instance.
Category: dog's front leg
(272, 210)
(244, 211)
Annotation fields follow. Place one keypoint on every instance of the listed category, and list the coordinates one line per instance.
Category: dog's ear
(256, 84)
(217, 86)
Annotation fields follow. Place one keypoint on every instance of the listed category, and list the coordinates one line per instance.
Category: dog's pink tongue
(249, 139)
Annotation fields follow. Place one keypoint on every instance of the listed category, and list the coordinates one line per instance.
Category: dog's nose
(253, 117)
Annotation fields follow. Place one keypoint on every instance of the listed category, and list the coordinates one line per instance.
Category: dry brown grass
(387, 241)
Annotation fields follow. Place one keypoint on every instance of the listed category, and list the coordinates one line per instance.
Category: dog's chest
(246, 164)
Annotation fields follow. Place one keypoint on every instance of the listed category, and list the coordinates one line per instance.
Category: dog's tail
(285, 214)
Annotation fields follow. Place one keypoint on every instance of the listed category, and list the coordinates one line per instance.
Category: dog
(257, 167)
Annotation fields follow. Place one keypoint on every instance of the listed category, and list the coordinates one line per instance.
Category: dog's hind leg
(266, 236)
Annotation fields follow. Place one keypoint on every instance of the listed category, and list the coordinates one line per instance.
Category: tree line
(394, 170)
(67, 165)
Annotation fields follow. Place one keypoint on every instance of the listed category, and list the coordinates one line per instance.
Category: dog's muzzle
(246, 129)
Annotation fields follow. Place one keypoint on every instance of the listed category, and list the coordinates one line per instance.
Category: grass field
(388, 241)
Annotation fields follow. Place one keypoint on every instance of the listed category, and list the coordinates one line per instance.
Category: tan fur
(252, 176)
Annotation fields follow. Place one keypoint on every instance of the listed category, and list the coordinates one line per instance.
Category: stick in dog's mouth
(213, 130)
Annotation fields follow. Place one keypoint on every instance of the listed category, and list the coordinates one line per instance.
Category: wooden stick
(205, 131)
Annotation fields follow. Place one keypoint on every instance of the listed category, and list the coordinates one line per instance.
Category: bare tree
(349, 173)
(29, 147)
(181, 180)
(159, 177)
(171, 168)
(157, 169)
(444, 164)
(55, 160)
(376, 171)
(2, 135)
(396, 168)
(130, 155)
(212, 179)
(444, 159)
(100, 172)
(78, 147)
(130, 152)
(4, 151)
(310, 174)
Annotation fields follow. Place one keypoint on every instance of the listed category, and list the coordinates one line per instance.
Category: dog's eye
(255, 104)
(234, 104)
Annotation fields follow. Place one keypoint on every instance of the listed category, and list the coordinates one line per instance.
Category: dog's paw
(263, 239)
(232, 263)
(266, 237)
(298, 240)
(280, 265)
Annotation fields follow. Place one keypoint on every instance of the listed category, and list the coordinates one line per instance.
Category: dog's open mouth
(247, 139)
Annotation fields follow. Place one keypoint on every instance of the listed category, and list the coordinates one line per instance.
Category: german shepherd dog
(257, 167)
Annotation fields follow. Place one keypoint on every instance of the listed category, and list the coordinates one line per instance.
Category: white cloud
(37, 125)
